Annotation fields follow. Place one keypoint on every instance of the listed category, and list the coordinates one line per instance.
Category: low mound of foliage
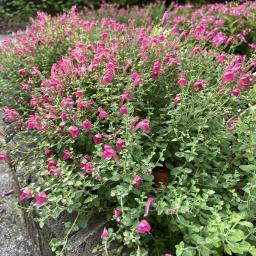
(151, 124)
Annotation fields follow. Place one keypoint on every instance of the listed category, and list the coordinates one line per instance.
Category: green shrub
(101, 109)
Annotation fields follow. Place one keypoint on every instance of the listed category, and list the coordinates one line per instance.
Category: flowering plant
(105, 106)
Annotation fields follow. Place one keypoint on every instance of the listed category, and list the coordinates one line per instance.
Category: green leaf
(204, 251)
(83, 219)
(236, 235)
(248, 168)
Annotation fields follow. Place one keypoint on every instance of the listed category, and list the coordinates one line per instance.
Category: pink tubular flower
(176, 101)
(126, 97)
(10, 115)
(123, 110)
(48, 152)
(143, 125)
(51, 163)
(229, 76)
(32, 122)
(87, 125)
(104, 233)
(168, 254)
(23, 71)
(149, 204)
(41, 198)
(98, 138)
(120, 144)
(5, 158)
(25, 193)
(108, 77)
(182, 82)
(156, 68)
(109, 153)
(232, 124)
(104, 35)
(198, 85)
(74, 132)
(64, 116)
(137, 181)
(136, 78)
(102, 113)
(79, 93)
(244, 81)
(88, 167)
(66, 154)
(143, 227)
(117, 213)
(235, 92)
(67, 102)
(54, 171)
(221, 58)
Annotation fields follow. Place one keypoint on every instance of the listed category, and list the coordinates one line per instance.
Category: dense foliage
(16, 11)
(149, 121)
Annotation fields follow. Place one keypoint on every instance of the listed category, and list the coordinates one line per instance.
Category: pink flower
(126, 97)
(136, 78)
(79, 93)
(104, 233)
(120, 144)
(87, 125)
(54, 171)
(104, 35)
(23, 71)
(48, 152)
(102, 113)
(67, 102)
(98, 138)
(198, 85)
(5, 158)
(219, 39)
(74, 132)
(143, 125)
(32, 122)
(229, 76)
(182, 82)
(64, 116)
(156, 68)
(244, 81)
(41, 198)
(51, 163)
(168, 254)
(221, 58)
(67, 154)
(117, 213)
(232, 124)
(109, 153)
(149, 204)
(123, 110)
(143, 227)
(235, 92)
(137, 181)
(108, 77)
(176, 101)
(10, 115)
(25, 193)
(88, 167)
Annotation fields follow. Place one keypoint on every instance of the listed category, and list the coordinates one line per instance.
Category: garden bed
(142, 117)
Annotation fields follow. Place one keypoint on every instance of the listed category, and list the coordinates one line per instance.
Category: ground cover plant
(143, 120)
